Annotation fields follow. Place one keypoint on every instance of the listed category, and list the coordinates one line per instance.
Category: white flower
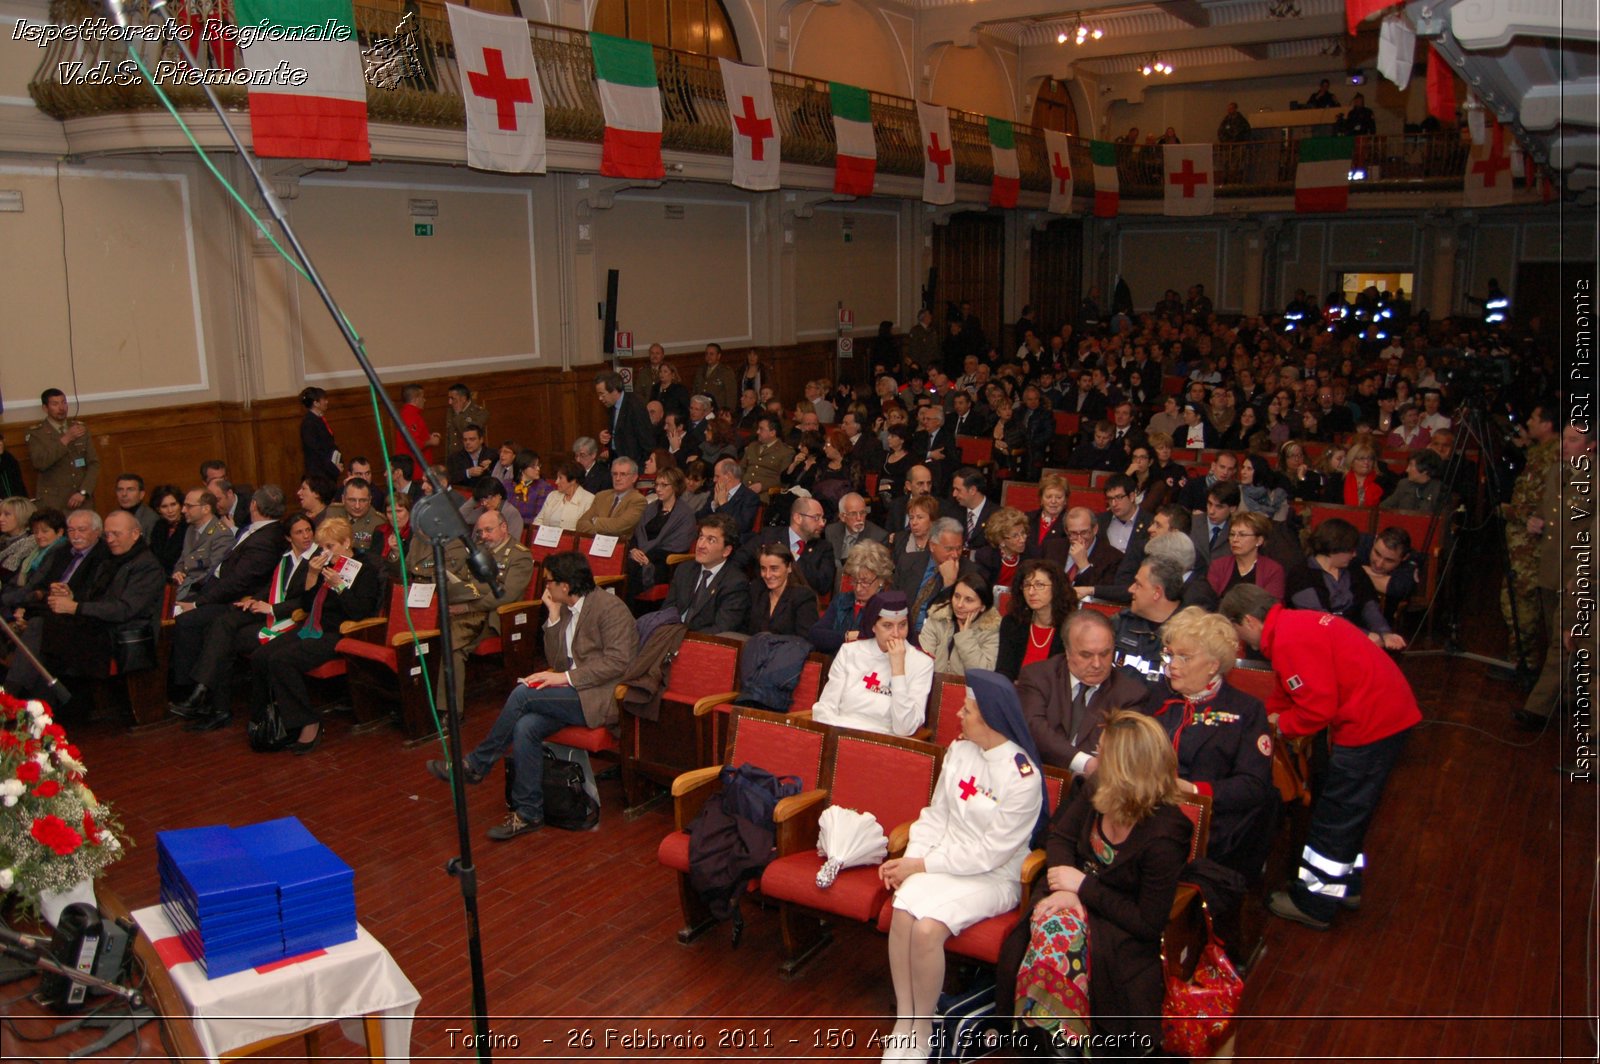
(12, 788)
(70, 764)
(8, 801)
(7, 877)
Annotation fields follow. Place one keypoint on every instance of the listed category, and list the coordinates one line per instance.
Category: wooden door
(1055, 274)
(969, 253)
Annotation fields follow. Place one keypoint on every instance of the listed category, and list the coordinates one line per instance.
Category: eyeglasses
(1038, 585)
(1117, 498)
(1168, 656)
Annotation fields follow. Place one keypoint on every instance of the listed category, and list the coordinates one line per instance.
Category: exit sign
(421, 228)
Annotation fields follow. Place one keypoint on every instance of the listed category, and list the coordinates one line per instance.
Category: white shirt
(1119, 532)
(1196, 436)
(862, 692)
(562, 513)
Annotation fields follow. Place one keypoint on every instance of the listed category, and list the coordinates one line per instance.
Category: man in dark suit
(1224, 469)
(709, 594)
(934, 445)
(1065, 699)
(472, 461)
(628, 431)
(728, 496)
(1087, 403)
(967, 419)
(865, 450)
(1210, 536)
(813, 555)
(244, 572)
(1100, 453)
(919, 481)
(970, 490)
(1090, 559)
(1123, 524)
(927, 576)
(233, 502)
(72, 563)
(852, 527)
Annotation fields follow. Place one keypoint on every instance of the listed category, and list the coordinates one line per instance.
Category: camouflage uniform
(1523, 549)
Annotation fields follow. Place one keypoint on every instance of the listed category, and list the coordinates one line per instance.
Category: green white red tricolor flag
(1057, 157)
(938, 158)
(1107, 190)
(855, 163)
(1007, 177)
(500, 86)
(625, 72)
(755, 126)
(1322, 177)
(326, 117)
(1191, 183)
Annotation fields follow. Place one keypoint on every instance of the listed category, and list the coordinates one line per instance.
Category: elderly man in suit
(617, 510)
(589, 639)
(728, 496)
(852, 527)
(710, 595)
(1065, 699)
(1090, 557)
(77, 633)
(628, 431)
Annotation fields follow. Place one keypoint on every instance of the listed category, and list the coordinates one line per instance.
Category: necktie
(1080, 711)
(615, 498)
(699, 589)
(1216, 530)
(972, 522)
(72, 566)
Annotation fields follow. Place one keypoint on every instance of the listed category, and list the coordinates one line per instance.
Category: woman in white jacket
(881, 683)
(964, 632)
(963, 862)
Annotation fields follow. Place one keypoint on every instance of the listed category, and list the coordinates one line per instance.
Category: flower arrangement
(54, 833)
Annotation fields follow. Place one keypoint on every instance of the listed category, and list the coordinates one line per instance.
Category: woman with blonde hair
(15, 542)
(1088, 960)
(1360, 483)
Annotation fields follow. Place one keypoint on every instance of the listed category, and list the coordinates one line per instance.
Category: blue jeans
(1347, 796)
(529, 717)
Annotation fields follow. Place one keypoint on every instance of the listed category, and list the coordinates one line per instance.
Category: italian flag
(1007, 178)
(626, 73)
(855, 162)
(1322, 179)
(1107, 192)
(326, 117)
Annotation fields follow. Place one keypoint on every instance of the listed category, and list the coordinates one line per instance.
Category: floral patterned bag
(1198, 1016)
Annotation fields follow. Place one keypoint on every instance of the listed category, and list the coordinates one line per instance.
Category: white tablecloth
(346, 982)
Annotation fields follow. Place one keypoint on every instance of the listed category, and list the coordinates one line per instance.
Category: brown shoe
(512, 826)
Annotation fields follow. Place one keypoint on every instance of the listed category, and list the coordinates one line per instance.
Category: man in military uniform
(716, 380)
(464, 410)
(1543, 447)
(365, 522)
(205, 543)
(63, 452)
(1561, 531)
(766, 458)
(474, 607)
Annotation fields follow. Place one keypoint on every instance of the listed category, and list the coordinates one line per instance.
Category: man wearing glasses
(1123, 522)
(852, 527)
(205, 543)
(1090, 557)
(813, 554)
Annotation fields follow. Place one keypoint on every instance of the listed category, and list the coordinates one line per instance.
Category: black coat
(1128, 902)
(246, 569)
(742, 507)
(316, 443)
(634, 436)
(817, 564)
(1233, 760)
(722, 607)
(1014, 636)
(121, 592)
(795, 613)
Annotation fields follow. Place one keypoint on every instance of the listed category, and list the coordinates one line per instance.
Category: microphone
(21, 941)
(483, 565)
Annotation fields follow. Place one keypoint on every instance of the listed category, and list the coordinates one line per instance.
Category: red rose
(8, 741)
(52, 832)
(47, 789)
(90, 830)
(11, 706)
(56, 732)
(72, 752)
(28, 772)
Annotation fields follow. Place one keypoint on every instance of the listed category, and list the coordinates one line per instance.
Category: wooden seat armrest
(899, 839)
(513, 607)
(800, 714)
(169, 621)
(690, 792)
(352, 627)
(610, 580)
(923, 735)
(1033, 867)
(620, 691)
(797, 821)
(1182, 900)
(402, 639)
(710, 702)
(675, 559)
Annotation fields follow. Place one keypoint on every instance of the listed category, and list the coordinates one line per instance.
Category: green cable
(377, 416)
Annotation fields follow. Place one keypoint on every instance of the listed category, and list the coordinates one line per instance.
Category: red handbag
(1198, 1016)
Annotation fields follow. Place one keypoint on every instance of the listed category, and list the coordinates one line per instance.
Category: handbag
(135, 647)
(266, 732)
(1197, 1016)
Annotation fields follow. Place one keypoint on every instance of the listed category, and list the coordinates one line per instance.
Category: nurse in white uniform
(881, 683)
(963, 862)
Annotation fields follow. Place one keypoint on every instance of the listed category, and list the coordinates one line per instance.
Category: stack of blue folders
(242, 897)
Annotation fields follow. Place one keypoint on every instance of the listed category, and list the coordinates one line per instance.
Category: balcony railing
(695, 111)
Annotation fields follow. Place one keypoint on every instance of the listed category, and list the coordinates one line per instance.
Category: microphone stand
(447, 519)
(61, 696)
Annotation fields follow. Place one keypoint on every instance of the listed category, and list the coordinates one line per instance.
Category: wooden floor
(1470, 944)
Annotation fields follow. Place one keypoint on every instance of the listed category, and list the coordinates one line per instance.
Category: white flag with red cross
(938, 156)
(500, 85)
(755, 125)
(1489, 171)
(1058, 159)
(1191, 183)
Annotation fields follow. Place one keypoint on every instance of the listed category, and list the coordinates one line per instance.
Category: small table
(356, 983)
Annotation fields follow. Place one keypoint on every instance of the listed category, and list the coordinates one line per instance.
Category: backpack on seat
(731, 840)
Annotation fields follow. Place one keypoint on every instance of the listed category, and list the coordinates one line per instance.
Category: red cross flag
(1190, 181)
(1489, 172)
(505, 112)
(938, 157)
(1056, 155)
(755, 129)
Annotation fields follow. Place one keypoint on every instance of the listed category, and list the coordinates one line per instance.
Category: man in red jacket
(1330, 675)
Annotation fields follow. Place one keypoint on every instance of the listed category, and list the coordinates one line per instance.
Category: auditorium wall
(854, 43)
(980, 79)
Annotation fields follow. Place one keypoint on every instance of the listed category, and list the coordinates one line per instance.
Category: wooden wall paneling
(970, 253)
(1056, 273)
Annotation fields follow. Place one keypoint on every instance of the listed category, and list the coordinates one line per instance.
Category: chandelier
(1080, 33)
(1155, 65)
